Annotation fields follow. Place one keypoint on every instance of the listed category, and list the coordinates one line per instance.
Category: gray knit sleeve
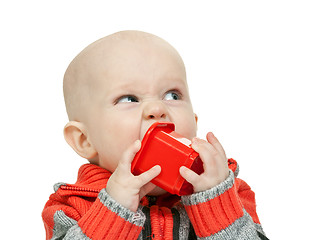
(105, 209)
(66, 228)
(219, 214)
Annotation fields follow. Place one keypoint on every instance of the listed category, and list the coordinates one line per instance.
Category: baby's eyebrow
(139, 88)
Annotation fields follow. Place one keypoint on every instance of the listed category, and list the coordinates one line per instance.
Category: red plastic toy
(162, 146)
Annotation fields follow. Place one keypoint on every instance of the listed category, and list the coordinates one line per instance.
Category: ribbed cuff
(107, 219)
(215, 209)
(242, 228)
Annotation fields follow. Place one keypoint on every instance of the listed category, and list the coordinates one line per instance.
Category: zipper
(80, 189)
(151, 200)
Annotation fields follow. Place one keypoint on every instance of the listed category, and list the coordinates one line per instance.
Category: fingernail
(157, 168)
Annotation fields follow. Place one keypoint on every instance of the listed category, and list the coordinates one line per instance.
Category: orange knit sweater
(84, 210)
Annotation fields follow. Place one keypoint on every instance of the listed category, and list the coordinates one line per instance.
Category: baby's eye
(172, 95)
(127, 99)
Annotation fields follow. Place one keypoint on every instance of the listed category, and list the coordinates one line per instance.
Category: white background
(253, 73)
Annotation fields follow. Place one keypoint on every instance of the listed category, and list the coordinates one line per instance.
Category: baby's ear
(76, 136)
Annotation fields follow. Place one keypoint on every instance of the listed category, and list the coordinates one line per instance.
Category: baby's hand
(126, 188)
(215, 164)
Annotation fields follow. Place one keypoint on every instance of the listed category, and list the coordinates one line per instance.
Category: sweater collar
(92, 179)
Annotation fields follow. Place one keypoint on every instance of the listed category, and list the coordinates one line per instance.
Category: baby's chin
(157, 191)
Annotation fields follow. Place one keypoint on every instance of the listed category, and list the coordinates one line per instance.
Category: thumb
(131, 151)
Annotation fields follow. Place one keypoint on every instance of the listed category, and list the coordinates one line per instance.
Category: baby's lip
(144, 131)
(142, 135)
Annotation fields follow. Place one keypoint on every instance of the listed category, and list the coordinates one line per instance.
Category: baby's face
(138, 85)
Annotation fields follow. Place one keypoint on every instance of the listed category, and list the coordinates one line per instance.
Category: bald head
(82, 75)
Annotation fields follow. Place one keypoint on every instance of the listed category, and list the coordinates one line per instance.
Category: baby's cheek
(188, 129)
(107, 164)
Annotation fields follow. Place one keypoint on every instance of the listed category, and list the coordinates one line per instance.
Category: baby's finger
(189, 175)
(129, 154)
(205, 150)
(211, 157)
(147, 176)
(214, 141)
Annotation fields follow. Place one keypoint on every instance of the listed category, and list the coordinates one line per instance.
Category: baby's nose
(155, 110)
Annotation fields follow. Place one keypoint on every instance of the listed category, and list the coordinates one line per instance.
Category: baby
(114, 90)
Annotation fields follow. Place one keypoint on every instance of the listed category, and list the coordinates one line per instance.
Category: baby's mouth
(144, 130)
(143, 134)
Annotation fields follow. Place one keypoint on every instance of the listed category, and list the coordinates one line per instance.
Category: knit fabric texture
(84, 210)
